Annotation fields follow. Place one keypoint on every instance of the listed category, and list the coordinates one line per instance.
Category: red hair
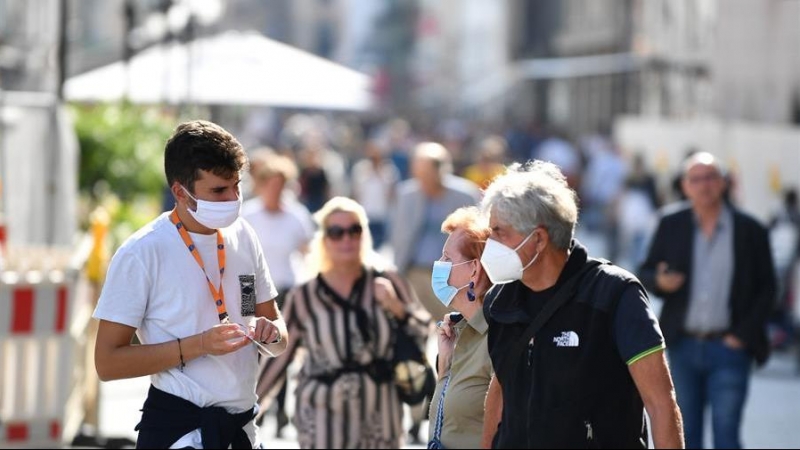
(475, 227)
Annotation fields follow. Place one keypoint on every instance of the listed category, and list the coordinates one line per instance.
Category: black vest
(570, 389)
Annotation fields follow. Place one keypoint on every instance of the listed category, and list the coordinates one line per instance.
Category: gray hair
(534, 195)
(703, 158)
(437, 154)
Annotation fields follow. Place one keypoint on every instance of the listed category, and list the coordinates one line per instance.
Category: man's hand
(447, 341)
(668, 280)
(732, 342)
(264, 331)
(222, 339)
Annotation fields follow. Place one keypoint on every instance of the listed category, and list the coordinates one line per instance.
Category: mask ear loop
(191, 197)
(534, 257)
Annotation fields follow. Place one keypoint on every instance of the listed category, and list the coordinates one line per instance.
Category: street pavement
(772, 415)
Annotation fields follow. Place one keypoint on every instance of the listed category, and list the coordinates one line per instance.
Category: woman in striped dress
(344, 320)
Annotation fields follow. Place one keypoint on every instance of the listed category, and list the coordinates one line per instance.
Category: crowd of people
(325, 252)
(618, 191)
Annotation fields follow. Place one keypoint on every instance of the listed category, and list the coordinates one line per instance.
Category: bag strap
(437, 430)
(564, 293)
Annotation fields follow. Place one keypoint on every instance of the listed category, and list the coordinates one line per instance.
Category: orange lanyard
(217, 296)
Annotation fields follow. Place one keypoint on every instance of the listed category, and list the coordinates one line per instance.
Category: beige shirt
(470, 373)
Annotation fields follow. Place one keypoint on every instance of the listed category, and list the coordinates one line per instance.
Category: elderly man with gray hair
(577, 352)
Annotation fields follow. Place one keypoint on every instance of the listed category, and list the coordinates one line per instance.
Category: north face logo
(567, 339)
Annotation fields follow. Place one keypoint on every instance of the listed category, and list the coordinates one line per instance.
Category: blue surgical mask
(441, 273)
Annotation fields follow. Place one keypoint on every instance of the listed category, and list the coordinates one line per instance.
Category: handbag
(411, 371)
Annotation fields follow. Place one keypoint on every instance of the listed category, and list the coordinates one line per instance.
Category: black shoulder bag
(561, 296)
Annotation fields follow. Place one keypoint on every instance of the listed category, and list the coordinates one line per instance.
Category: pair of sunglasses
(336, 232)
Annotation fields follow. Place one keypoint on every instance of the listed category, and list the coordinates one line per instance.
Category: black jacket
(166, 417)
(753, 286)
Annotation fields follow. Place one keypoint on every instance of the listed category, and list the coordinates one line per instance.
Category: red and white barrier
(36, 358)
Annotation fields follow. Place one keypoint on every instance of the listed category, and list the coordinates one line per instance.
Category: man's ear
(543, 238)
(178, 193)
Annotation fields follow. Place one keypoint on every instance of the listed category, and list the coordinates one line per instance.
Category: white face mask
(215, 214)
(502, 263)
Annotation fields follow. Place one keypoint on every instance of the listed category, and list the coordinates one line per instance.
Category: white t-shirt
(282, 235)
(155, 285)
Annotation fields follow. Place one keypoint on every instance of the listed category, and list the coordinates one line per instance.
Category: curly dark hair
(201, 145)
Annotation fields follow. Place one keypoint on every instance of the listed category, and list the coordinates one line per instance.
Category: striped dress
(337, 404)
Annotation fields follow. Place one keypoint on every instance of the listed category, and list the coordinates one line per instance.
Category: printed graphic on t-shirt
(247, 286)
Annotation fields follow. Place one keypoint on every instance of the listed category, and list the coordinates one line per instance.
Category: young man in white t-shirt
(194, 286)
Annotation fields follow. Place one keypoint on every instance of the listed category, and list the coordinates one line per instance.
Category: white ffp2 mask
(215, 215)
(502, 263)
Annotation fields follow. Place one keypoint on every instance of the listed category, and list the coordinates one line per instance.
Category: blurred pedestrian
(399, 140)
(784, 232)
(636, 211)
(423, 202)
(315, 188)
(194, 286)
(711, 264)
(335, 165)
(577, 352)
(558, 148)
(345, 319)
(602, 182)
(464, 368)
(284, 228)
(375, 179)
(491, 155)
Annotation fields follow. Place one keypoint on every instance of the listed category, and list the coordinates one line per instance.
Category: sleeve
(751, 328)
(636, 330)
(125, 291)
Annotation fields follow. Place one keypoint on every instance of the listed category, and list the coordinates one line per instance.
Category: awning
(229, 69)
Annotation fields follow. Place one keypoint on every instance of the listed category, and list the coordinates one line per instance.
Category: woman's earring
(471, 292)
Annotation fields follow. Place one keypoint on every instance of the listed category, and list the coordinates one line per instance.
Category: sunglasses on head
(336, 232)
